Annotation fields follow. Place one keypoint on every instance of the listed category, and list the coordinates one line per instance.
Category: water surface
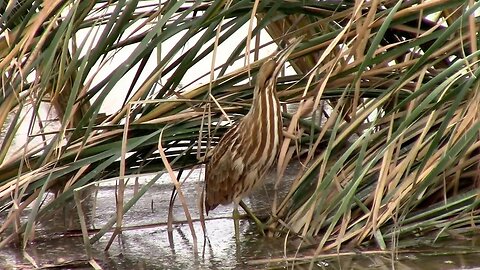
(147, 244)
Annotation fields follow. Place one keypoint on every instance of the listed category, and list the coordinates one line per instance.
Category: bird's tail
(206, 204)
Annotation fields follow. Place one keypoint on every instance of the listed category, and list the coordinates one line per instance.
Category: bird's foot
(260, 226)
(236, 223)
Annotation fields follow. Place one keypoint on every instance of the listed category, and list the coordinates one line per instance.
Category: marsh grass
(386, 125)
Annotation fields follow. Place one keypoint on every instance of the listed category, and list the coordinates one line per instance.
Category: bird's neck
(265, 103)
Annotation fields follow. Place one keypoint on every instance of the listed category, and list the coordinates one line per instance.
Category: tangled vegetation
(393, 151)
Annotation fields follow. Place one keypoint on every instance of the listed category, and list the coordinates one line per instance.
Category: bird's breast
(265, 131)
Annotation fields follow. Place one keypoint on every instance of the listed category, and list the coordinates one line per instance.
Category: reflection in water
(149, 245)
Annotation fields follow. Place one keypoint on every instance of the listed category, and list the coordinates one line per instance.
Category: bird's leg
(260, 226)
(236, 217)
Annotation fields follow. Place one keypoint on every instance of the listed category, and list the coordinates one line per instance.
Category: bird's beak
(281, 56)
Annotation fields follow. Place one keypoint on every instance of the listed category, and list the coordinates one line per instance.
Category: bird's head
(270, 69)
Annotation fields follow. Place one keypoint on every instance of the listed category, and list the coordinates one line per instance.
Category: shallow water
(146, 243)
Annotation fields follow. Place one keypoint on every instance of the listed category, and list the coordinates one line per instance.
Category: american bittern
(247, 150)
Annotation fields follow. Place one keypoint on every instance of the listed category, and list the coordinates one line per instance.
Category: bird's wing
(223, 171)
(218, 180)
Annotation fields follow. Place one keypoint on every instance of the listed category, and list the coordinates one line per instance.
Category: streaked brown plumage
(244, 154)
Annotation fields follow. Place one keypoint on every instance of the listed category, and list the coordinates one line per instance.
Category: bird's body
(248, 150)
